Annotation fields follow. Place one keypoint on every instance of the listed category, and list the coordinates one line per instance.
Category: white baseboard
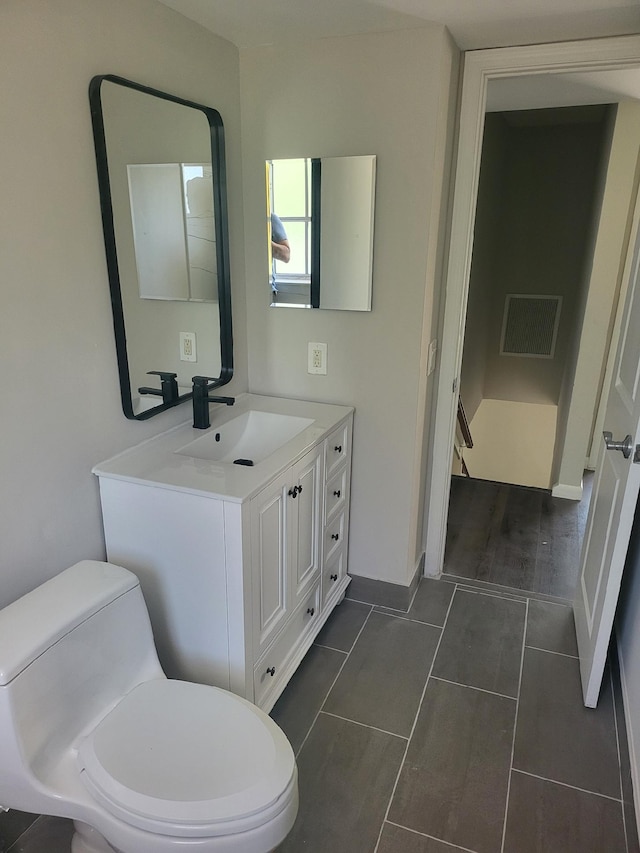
(562, 490)
(633, 756)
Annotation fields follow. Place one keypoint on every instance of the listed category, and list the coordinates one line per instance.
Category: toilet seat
(150, 761)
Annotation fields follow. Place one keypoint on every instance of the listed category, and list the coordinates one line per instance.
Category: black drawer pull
(294, 491)
(335, 536)
(311, 610)
(333, 577)
(337, 493)
(338, 448)
(271, 670)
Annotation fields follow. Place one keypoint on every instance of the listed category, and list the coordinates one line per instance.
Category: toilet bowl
(92, 730)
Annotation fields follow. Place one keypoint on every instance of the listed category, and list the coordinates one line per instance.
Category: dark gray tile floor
(500, 757)
(457, 726)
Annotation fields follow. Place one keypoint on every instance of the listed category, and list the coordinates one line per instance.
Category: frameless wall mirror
(161, 173)
(320, 214)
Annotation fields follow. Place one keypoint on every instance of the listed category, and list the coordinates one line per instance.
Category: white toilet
(91, 729)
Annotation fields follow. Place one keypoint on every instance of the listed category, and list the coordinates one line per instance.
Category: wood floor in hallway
(515, 536)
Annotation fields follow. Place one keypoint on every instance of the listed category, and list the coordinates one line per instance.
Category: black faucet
(168, 390)
(201, 399)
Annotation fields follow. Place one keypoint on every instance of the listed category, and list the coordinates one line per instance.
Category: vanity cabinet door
(286, 526)
(269, 556)
(305, 514)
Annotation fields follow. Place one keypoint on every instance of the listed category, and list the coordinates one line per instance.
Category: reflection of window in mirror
(289, 194)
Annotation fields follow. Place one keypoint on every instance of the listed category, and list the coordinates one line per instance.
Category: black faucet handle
(204, 384)
(163, 373)
(169, 385)
(204, 381)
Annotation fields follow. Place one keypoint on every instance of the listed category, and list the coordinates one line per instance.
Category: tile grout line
(400, 614)
(415, 721)
(565, 785)
(615, 723)
(331, 648)
(473, 687)
(552, 652)
(363, 725)
(508, 596)
(499, 589)
(342, 665)
(431, 837)
(14, 846)
(515, 727)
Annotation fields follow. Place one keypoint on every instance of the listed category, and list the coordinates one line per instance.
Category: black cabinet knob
(271, 670)
(333, 577)
(299, 489)
(294, 492)
(337, 493)
(311, 610)
(335, 536)
(338, 448)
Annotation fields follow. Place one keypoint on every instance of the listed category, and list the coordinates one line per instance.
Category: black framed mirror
(162, 180)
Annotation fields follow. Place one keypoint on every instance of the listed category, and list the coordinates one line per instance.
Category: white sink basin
(250, 437)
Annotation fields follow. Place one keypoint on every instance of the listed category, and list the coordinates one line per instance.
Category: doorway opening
(597, 73)
(542, 184)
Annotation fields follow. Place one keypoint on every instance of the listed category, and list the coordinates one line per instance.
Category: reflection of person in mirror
(280, 248)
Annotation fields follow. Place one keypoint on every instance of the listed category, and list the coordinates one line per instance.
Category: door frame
(479, 68)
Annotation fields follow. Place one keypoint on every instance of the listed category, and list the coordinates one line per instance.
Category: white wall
(546, 214)
(386, 94)
(60, 404)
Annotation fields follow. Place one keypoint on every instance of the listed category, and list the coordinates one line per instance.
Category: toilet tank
(69, 650)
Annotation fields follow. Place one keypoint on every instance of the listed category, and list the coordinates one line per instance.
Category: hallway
(514, 536)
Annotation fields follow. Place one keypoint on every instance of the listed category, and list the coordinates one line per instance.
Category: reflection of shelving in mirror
(173, 230)
(201, 236)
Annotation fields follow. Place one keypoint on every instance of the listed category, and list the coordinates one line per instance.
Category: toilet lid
(173, 754)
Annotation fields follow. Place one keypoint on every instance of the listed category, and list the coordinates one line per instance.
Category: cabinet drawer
(335, 495)
(334, 535)
(334, 570)
(272, 667)
(338, 448)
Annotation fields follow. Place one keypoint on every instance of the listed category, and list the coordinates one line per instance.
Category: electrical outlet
(188, 346)
(317, 359)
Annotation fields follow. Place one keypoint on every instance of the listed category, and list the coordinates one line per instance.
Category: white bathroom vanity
(240, 564)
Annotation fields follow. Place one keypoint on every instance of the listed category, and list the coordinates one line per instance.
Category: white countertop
(156, 462)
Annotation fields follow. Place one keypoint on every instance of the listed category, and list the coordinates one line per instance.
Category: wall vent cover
(530, 325)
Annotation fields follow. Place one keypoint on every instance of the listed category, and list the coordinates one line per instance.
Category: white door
(614, 498)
